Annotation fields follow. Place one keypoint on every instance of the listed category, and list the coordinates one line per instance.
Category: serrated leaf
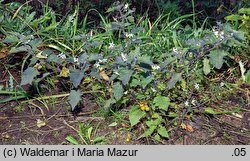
(117, 91)
(245, 11)
(162, 102)
(216, 58)
(125, 76)
(76, 77)
(175, 78)
(163, 132)
(135, 115)
(74, 98)
(28, 75)
(206, 66)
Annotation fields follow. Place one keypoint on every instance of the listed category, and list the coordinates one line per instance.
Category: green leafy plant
(86, 136)
(152, 69)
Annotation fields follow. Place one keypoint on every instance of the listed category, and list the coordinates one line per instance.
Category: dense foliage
(157, 68)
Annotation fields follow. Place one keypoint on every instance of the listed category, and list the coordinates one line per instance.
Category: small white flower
(126, 6)
(186, 103)
(116, 73)
(129, 35)
(103, 60)
(27, 41)
(97, 65)
(126, 92)
(222, 84)
(124, 58)
(62, 56)
(153, 89)
(111, 45)
(155, 67)
(76, 60)
(196, 86)
(193, 102)
(175, 50)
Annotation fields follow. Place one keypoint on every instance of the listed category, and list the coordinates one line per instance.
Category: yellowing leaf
(189, 128)
(64, 72)
(183, 126)
(40, 123)
(3, 53)
(104, 75)
(40, 56)
(38, 66)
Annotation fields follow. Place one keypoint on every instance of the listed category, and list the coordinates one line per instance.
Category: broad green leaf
(157, 137)
(54, 58)
(135, 115)
(117, 91)
(135, 82)
(206, 66)
(28, 75)
(175, 78)
(146, 81)
(19, 49)
(162, 102)
(74, 98)
(248, 77)
(76, 77)
(125, 76)
(109, 103)
(72, 140)
(216, 58)
(163, 132)
(11, 39)
(149, 131)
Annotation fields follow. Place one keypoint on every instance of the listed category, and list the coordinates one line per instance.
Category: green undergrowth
(159, 71)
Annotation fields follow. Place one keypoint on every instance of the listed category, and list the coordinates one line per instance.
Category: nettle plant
(156, 89)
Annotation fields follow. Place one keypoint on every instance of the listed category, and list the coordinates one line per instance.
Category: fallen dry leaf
(40, 123)
(104, 75)
(189, 128)
(3, 53)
